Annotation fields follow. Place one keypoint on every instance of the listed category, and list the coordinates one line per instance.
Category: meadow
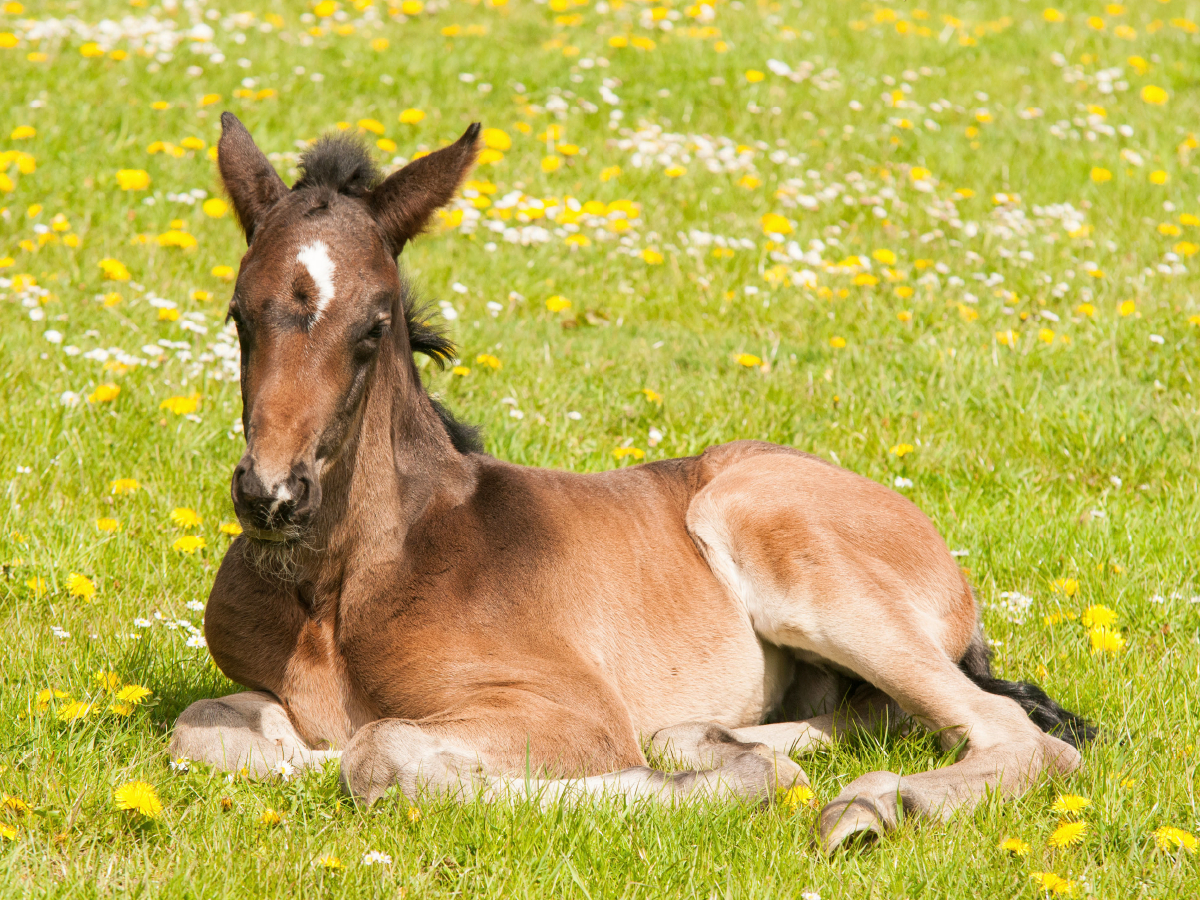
(952, 248)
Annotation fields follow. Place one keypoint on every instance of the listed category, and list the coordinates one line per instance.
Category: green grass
(1074, 459)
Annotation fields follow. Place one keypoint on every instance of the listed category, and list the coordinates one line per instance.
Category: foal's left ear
(249, 178)
(405, 202)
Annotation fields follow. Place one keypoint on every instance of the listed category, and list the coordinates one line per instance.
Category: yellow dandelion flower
(330, 862)
(1015, 846)
(551, 163)
(1070, 803)
(486, 359)
(887, 257)
(749, 360)
(133, 694)
(8, 832)
(1068, 587)
(901, 450)
(1068, 834)
(1168, 836)
(837, 343)
(653, 257)
(185, 517)
(461, 371)
(1127, 308)
(1154, 95)
(798, 795)
(75, 710)
(1054, 884)
(108, 525)
(652, 396)
(411, 116)
(773, 223)
(181, 406)
(1106, 640)
(114, 270)
(233, 529)
(133, 179)
(496, 139)
(635, 452)
(225, 273)
(189, 544)
(109, 681)
(414, 814)
(124, 486)
(557, 303)
(37, 584)
(80, 586)
(176, 238)
(139, 797)
(1098, 616)
(269, 818)
(16, 804)
(610, 172)
(214, 207)
(754, 76)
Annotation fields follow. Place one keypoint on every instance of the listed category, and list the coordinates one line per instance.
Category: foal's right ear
(407, 199)
(249, 178)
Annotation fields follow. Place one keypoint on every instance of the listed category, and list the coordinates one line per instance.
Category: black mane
(425, 337)
(338, 162)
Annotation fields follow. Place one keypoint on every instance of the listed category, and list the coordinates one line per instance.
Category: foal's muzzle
(276, 509)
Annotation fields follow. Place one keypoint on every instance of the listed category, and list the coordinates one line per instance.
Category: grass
(1054, 430)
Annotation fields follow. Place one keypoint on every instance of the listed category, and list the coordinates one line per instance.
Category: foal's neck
(398, 461)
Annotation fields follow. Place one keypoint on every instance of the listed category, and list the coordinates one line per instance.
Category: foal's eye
(376, 331)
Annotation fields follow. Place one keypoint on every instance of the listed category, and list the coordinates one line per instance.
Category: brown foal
(440, 620)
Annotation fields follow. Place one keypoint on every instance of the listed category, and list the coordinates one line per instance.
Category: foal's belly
(739, 687)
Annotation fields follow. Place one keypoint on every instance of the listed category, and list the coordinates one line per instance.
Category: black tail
(1045, 713)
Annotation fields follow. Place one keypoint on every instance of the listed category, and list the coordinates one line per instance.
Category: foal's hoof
(853, 821)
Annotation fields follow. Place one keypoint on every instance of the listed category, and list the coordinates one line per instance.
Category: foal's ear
(250, 179)
(405, 202)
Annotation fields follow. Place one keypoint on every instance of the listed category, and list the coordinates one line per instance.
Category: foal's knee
(396, 752)
(212, 732)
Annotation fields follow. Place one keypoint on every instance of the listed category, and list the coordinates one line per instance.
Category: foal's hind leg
(250, 730)
(843, 569)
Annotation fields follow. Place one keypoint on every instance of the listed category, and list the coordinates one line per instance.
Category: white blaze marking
(315, 258)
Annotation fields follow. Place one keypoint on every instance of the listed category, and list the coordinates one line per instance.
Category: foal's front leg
(441, 759)
(250, 730)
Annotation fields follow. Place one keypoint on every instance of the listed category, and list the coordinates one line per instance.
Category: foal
(442, 620)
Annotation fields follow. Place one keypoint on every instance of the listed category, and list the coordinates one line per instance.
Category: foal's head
(318, 295)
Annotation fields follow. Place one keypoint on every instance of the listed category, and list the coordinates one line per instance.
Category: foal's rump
(809, 549)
